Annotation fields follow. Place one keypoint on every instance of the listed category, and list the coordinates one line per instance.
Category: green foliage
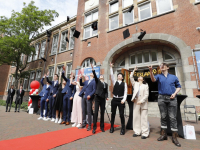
(18, 32)
(24, 105)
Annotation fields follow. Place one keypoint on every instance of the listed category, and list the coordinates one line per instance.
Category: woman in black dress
(59, 100)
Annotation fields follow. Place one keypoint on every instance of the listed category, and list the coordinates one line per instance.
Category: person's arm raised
(111, 73)
(95, 76)
(151, 74)
(131, 76)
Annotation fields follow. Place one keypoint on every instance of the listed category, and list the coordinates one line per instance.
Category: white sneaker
(74, 124)
(53, 119)
(56, 121)
(79, 125)
(40, 118)
(45, 118)
(60, 121)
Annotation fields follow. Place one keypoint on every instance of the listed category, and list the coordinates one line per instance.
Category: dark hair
(122, 75)
(165, 64)
(101, 75)
(56, 75)
(144, 81)
(12, 85)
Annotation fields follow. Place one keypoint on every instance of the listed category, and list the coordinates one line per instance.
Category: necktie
(20, 91)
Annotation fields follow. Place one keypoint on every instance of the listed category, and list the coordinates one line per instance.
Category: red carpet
(49, 140)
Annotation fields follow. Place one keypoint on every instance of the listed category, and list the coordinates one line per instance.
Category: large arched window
(87, 63)
(168, 57)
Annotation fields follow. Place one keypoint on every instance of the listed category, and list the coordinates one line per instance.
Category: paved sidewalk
(15, 125)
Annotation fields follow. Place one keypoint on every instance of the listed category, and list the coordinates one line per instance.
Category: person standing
(168, 87)
(140, 108)
(77, 108)
(11, 93)
(119, 98)
(87, 94)
(101, 95)
(67, 98)
(52, 96)
(19, 98)
(44, 101)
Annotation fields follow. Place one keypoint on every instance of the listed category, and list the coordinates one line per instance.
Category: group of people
(60, 95)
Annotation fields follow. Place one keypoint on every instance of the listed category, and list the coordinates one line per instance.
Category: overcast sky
(63, 7)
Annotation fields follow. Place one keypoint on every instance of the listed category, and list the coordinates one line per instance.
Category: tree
(17, 33)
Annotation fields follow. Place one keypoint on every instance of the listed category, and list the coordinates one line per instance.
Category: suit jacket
(10, 96)
(68, 87)
(100, 90)
(45, 91)
(19, 97)
(53, 89)
(143, 94)
(88, 89)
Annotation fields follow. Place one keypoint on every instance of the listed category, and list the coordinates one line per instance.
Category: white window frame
(52, 47)
(30, 57)
(41, 49)
(171, 4)
(91, 13)
(59, 66)
(71, 37)
(91, 32)
(67, 67)
(126, 6)
(126, 11)
(51, 75)
(25, 87)
(63, 38)
(9, 82)
(122, 62)
(112, 2)
(35, 57)
(147, 2)
(30, 79)
(173, 58)
(36, 76)
(85, 62)
(110, 22)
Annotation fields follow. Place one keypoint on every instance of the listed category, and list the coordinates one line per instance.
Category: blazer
(88, 89)
(10, 96)
(45, 91)
(144, 92)
(68, 87)
(19, 97)
(100, 90)
(53, 89)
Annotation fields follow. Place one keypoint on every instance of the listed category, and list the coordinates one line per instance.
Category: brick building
(171, 37)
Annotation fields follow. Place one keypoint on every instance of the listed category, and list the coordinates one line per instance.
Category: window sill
(90, 23)
(90, 37)
(196, 3)
(171, 11)
(143, 2)
(65, 51)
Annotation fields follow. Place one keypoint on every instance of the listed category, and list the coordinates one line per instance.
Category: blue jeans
(168, 107)
(67, 108)
(42, 104)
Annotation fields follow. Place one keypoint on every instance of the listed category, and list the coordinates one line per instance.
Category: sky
(63, 7)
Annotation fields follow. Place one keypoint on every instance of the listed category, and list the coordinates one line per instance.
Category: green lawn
(24, 105)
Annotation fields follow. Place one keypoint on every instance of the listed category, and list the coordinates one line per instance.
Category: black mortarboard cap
(95, 26)
(126, 33)
(130, 8)
(66, 39)
(142, 34)
(76, 34)
(43, 59)
(67, 18)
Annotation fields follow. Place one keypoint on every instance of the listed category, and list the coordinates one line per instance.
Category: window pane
(139, 58)
(87, 32)
(146, 57)
(113, 7)
(95, 16)
(123, 63)
(167, 57)
(153, 56)
(145, 11)
(72, 38)
(55, 44)
(128, 17)
(127, 3)
(63, 41)
(36, 52)
(88, 18)
(163, 6)
(133, 59)
(114, 22)
(42, 49)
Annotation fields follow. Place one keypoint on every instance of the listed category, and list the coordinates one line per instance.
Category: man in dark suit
(11, 93)
(52, 95)
(19, 98)
(101, 95)
(67, 98)
(87, 93)
(44, 99)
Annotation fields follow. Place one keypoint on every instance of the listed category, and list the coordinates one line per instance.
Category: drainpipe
(195, 70)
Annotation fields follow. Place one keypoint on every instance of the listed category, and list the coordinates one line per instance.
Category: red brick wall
(4, 69)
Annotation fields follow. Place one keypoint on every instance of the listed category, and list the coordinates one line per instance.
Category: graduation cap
(76, 34)
(126, 33)
(94, 26)
(48, 33)
(130, 8)
(67, 18)
(142, 34)
(43, 59)
(66, 39)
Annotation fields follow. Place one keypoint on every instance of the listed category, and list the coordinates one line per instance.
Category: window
(114, 22)
(87, 63)
(36, 51)
(114, 6)
(88, 32)
(42, 49)
(63, 42)
(164, 6)
(13, 81)
(145, 11)
(51, 72)
(54, 44)
(168, 56)
(146, 57)
(59, 69)
(128, 17)
(25, 84)
(30, 57)
(32, 77)
(22, 58)
(71, 42)
(127, 3)
(122, 63)
(91, 16)
(38, 75)
(153, 56)
(133, 59)
(9, 82)
(69, 70)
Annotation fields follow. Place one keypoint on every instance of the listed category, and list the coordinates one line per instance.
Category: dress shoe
(174, 139)
(163, 135)
(89, 128)
(93, 131)
(67, 123)
(63, 122)
(111, 130)
(15, 110)
(83, 127)
(122, 131)
(102, 129)
(135, 135)
(8, 110)
(18, 111)
(143, 137)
